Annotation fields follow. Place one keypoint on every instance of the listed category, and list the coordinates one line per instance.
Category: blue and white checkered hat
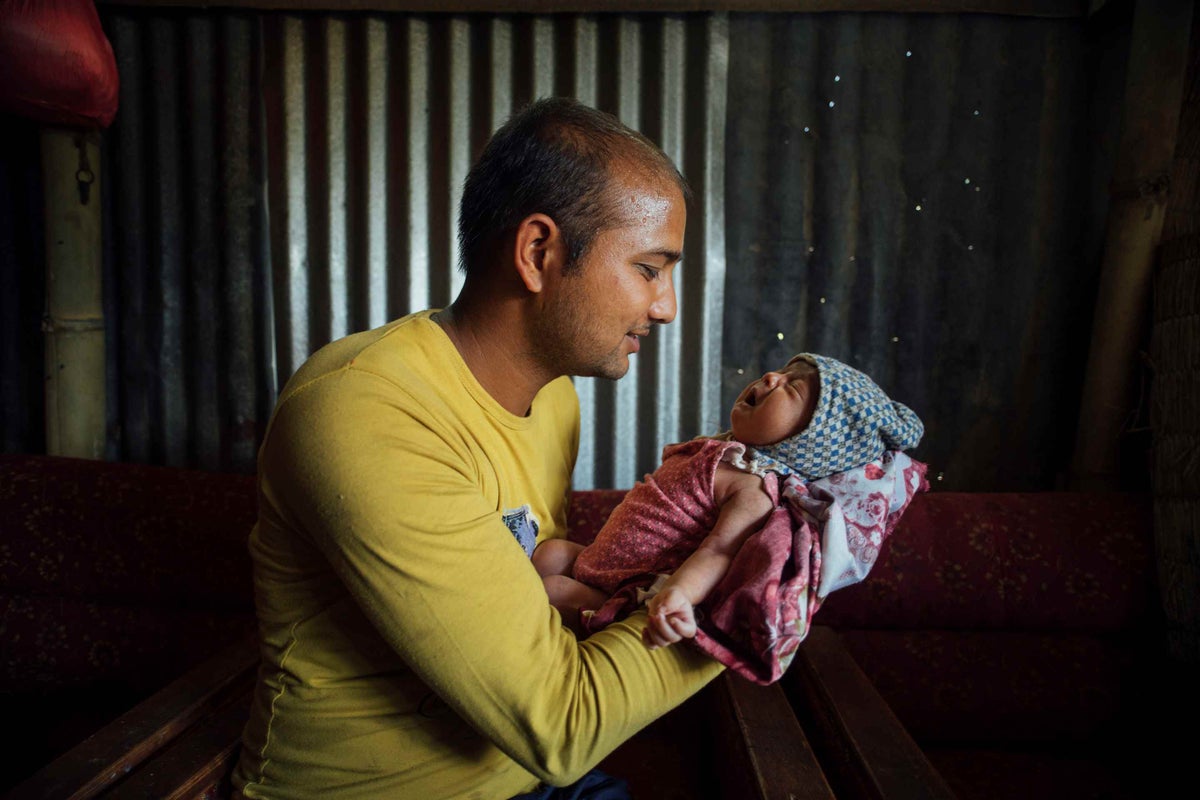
(853, 424)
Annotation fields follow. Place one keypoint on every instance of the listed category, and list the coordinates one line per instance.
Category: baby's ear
(905, 431)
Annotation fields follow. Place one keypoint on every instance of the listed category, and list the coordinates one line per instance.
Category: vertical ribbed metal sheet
(274, 181)
(372, 123)
(912, 198)
(187, 292)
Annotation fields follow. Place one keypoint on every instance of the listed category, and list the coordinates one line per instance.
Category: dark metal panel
(186, 264)
(22, 288)
(912, 193)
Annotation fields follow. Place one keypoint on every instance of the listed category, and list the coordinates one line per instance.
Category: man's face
(621, 288)
(777, 405)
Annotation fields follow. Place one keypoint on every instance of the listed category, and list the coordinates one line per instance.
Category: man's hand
(671, 618)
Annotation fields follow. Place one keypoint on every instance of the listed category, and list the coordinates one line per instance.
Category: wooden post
(1153, 92)
(74, 321)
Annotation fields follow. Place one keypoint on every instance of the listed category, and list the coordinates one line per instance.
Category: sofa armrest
(863, 747)
(176, 743)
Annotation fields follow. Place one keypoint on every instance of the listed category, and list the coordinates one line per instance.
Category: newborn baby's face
(777, 405)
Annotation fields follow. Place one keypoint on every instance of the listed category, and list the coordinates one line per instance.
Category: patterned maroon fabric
(1048, 561)
(118, 571)
(996, 688)
(125, 533)
(588, 512)
(114, 579)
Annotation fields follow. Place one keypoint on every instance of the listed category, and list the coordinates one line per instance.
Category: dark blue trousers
(594, 786)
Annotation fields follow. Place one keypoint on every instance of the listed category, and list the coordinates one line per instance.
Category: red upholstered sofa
(1016, 637)
(114, 579)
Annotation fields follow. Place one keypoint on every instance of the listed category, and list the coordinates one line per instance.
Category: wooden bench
(866, 751)
(182, 744)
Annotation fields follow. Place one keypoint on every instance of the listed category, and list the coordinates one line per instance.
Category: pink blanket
(820, 537)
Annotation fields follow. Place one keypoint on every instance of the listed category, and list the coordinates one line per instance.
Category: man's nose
(663, 309)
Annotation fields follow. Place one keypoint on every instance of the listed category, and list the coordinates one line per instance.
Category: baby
(813, 418)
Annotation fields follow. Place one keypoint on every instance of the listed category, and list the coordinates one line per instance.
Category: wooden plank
(198, 763)
(867, 752)
(767, 756)
(117, 749)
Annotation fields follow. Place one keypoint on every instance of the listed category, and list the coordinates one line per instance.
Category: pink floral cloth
(821, 536)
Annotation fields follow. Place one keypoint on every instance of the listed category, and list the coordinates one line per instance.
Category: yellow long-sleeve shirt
(409, 649)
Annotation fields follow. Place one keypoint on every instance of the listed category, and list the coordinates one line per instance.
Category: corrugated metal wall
(913, 197)
(372, 123)
(275, 181)
(187, 285)
(367, 127)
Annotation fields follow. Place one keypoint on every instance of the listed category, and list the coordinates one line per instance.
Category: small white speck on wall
(918, 206)
(806, 129)
(895, 339)
(831, 104)
(780, 336)
(822, 301)
(741, 371)
(966, 181)
(908, 53)
(837, 78)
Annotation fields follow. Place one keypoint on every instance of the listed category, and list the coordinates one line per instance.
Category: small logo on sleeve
(524, 527)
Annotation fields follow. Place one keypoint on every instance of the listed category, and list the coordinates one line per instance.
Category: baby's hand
(671, 618)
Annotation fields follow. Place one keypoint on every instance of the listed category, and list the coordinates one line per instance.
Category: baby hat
(853, 424)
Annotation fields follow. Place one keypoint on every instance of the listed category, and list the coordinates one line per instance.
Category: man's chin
(612, 370)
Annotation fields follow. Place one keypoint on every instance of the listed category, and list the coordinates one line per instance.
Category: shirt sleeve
(391, 498)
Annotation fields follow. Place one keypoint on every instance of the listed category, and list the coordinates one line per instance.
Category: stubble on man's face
(569, 341)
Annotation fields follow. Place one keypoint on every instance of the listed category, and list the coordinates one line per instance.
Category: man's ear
(538, 251)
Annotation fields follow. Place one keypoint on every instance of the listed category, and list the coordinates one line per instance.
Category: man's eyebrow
(669, 255)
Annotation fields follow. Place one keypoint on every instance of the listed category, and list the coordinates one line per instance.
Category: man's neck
(495, 352)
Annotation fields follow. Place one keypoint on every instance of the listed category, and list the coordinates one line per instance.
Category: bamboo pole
(1175, 410)
(1153, 91)
(74, 320)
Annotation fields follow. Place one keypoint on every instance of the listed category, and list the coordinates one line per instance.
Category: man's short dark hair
(554, 157)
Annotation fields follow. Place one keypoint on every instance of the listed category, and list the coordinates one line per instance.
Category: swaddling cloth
(820, 537)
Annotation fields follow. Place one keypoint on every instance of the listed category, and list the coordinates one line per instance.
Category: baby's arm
(745, 505)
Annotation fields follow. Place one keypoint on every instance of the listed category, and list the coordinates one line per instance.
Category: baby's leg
(570, 596)
(554, 559)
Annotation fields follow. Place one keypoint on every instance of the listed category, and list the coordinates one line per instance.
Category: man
(409, 649)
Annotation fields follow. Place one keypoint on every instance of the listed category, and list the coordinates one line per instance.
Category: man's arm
(395, 506)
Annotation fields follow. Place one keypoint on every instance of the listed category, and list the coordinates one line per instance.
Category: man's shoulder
(399, 351)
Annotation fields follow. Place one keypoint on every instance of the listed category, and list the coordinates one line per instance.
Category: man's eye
(648, 272)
